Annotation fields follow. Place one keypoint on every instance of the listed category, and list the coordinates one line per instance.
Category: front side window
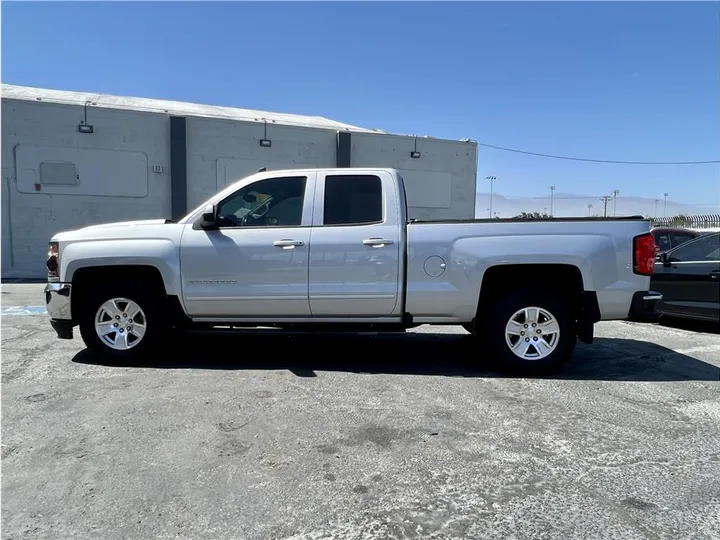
(275, 202)
(353, 200)
(704, 249)
(681, 238)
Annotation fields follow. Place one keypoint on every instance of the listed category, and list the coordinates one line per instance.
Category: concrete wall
(122, 142)
(219, 152)
(440, 184)
(123, 169)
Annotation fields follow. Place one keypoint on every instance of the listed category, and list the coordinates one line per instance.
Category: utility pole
(492, 179)
(615, 193)
(552, 199)
(665, 205)
(605, 200)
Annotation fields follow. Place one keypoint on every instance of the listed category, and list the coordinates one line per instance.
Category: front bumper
(645, 306)
(57, 304)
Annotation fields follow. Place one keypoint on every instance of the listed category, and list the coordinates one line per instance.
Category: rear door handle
(288, 244)
(377, 242)
(715, 274)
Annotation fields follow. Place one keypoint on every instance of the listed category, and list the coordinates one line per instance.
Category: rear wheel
(532, 331)
(123, 321)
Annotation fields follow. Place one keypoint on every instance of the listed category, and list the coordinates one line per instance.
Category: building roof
(160, 106)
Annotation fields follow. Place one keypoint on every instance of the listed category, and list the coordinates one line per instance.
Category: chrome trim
(653, 297)
(57, 300)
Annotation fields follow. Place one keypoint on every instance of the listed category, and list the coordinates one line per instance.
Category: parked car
(667, 238)
(688, 277)
(334, 249)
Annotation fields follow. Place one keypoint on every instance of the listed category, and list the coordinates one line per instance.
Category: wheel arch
(563, 279)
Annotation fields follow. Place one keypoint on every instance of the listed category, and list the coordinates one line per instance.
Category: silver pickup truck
(334, 249)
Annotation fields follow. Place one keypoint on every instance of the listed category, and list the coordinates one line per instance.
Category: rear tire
(531, 331)
(123, 321)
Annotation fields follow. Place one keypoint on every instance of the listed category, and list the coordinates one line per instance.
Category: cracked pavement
(260, 436)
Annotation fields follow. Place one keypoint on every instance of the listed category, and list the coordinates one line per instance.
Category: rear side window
(353, 200)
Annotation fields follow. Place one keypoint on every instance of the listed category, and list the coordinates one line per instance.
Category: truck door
(355, 246)
(256, 263)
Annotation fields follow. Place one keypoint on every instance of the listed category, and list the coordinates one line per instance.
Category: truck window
(353, 200)
(275, 202)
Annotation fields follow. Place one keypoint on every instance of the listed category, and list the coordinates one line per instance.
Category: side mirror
(663, 258)
(209, 217)
(249, 197)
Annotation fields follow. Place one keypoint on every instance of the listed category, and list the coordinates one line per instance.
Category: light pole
(605, 199)
(655, 212)
(492, 179)
(665, 205)
(552, 199)
(615, 193)
(589, 207)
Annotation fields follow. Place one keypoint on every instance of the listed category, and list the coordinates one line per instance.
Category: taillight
(644, 254)
(53, 261)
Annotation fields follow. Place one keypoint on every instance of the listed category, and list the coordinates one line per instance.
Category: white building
(73, 159)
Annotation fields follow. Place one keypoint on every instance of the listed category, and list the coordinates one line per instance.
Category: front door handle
(377, 242)
(288, 244)
(715, 274)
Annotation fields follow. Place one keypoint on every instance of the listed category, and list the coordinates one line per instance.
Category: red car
(669, 237)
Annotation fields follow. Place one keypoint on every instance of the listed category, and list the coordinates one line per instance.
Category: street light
(492, 179)
(552, 198)
(665, 205)
(615, 193)
(589, 207)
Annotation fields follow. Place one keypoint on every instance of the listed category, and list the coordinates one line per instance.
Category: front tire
(532, 331)
(123, 321)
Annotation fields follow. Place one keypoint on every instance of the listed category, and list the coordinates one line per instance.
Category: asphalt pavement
(259, 435)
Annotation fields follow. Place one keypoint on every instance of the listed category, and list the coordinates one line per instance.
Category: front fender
(162, 254)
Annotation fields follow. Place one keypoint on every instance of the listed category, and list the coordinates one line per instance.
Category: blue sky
(616, 80)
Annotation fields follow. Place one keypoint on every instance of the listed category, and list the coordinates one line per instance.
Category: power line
(707, 162)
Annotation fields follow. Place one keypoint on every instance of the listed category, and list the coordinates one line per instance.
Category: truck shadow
(450, 355)
(689, 325)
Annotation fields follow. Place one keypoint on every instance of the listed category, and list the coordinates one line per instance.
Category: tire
(113, 304)
(544, 353)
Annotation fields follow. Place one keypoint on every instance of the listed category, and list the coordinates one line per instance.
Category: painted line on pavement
(15, 311)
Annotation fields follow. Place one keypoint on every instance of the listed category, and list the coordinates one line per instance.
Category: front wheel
(532, 331)
(122, 321)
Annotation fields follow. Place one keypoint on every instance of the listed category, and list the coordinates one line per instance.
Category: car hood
(127, 224)
(118, 230)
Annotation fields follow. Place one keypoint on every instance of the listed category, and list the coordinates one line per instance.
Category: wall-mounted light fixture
(265, 142)
(83, 126)
(415, 154)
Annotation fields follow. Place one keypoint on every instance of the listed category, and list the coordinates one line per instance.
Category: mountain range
(572, 205)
